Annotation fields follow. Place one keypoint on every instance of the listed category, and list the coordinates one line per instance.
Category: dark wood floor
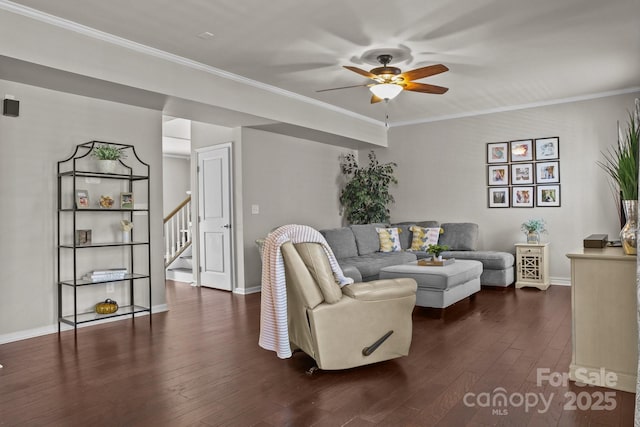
(199, 364)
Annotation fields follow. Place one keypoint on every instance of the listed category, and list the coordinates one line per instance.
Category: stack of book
(106, 275)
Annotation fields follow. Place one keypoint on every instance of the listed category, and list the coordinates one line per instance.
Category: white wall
(293, 181)
(50, 125)
(442, 173)
(176, 181)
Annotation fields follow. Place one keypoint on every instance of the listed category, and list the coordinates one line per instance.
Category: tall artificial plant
(621, 162)
(366, 197)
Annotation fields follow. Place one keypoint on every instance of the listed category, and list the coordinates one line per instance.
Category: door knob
(226, 226)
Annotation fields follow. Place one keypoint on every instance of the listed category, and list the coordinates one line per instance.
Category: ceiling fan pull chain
(386, 118)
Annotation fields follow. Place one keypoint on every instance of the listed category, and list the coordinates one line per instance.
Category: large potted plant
(621, 162)
(108, 156)
(366, 197)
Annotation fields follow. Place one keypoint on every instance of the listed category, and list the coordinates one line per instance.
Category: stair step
(180, 275)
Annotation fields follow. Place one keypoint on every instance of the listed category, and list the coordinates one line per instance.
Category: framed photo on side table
(522, 173)
(497, 152)
(126, 200)
(82, 199)
(521, 151)
(547, 172)
(498, 197)
(498, 175)
(522, 197)
(548, 195)
(548, 148)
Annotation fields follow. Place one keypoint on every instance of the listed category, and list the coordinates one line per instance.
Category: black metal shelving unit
(68, 169)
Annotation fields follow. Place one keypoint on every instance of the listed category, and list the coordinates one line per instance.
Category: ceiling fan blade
(361, 72)
(423, 72)
(343, 87)
(425, 88)
(375, 99)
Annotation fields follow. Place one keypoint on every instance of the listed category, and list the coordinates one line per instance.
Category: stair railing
(177, 231)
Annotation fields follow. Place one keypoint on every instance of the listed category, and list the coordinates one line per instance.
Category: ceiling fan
(390, 81)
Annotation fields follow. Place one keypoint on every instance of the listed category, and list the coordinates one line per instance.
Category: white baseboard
(53, 329)
(247, 291)
(560, 281)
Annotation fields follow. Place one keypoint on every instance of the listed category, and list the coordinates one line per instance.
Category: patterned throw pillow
(423, 237)
(389, 240)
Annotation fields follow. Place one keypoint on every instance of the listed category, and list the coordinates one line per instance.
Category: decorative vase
(533, 237)
(628, 232)
(126, 237)
(107, 166)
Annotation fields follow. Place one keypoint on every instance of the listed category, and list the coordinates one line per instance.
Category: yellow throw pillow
(423, 237)
(389, 239)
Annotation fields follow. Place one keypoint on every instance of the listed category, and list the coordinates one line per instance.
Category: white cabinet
(604, 327)
(532, 265)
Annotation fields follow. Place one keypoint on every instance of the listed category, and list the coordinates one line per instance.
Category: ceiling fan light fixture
(386, 90)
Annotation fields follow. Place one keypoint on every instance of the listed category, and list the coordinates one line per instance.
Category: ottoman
(439, 287)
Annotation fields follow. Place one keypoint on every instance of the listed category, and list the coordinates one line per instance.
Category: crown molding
(517, 107)
(148, 50)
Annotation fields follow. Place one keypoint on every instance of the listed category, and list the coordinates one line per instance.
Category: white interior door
(214, 207)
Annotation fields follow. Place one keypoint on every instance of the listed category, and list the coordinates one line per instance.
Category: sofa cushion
(423, 237)
(367, 237)
(405, 234)
(370, 265)
(389, 240)
(491, 260)
(316, 261)
(460, 236)
(342, 242)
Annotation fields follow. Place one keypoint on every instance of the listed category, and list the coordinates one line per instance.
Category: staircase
(177, 242)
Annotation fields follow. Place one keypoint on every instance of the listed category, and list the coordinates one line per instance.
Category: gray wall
(50, 125)
(293, 181)
(176, 180)
(442, 173)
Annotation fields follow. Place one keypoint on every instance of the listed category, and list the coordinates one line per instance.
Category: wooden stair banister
(177, 231)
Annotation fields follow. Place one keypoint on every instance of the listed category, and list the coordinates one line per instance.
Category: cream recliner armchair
(340, 328)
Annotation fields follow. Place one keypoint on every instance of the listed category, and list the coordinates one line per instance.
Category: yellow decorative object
(423, 237)
(109, 306)
(389, 240)
(106, 202)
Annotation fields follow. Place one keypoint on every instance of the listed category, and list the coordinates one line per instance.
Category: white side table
(532, 265)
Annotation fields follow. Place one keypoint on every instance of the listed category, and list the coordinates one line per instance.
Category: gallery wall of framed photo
(524, 173)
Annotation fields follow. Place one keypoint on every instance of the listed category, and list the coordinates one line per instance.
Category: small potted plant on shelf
(436, 251)
(108, 156)
(532, 229)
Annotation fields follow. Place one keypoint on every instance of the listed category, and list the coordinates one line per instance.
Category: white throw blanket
(274, 330)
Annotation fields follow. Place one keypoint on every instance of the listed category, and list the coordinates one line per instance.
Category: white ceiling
(501, 53)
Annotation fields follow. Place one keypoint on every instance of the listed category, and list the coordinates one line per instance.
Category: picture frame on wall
(82, 199)
(548, 148)
(126, 200)
(522, 196)
(497, 152)
(548, 195)
(498, 175)
(498, 197)
(547, 172)
(522, 173)
(521, 151)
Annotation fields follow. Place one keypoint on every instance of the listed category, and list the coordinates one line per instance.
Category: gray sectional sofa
(357, 248)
